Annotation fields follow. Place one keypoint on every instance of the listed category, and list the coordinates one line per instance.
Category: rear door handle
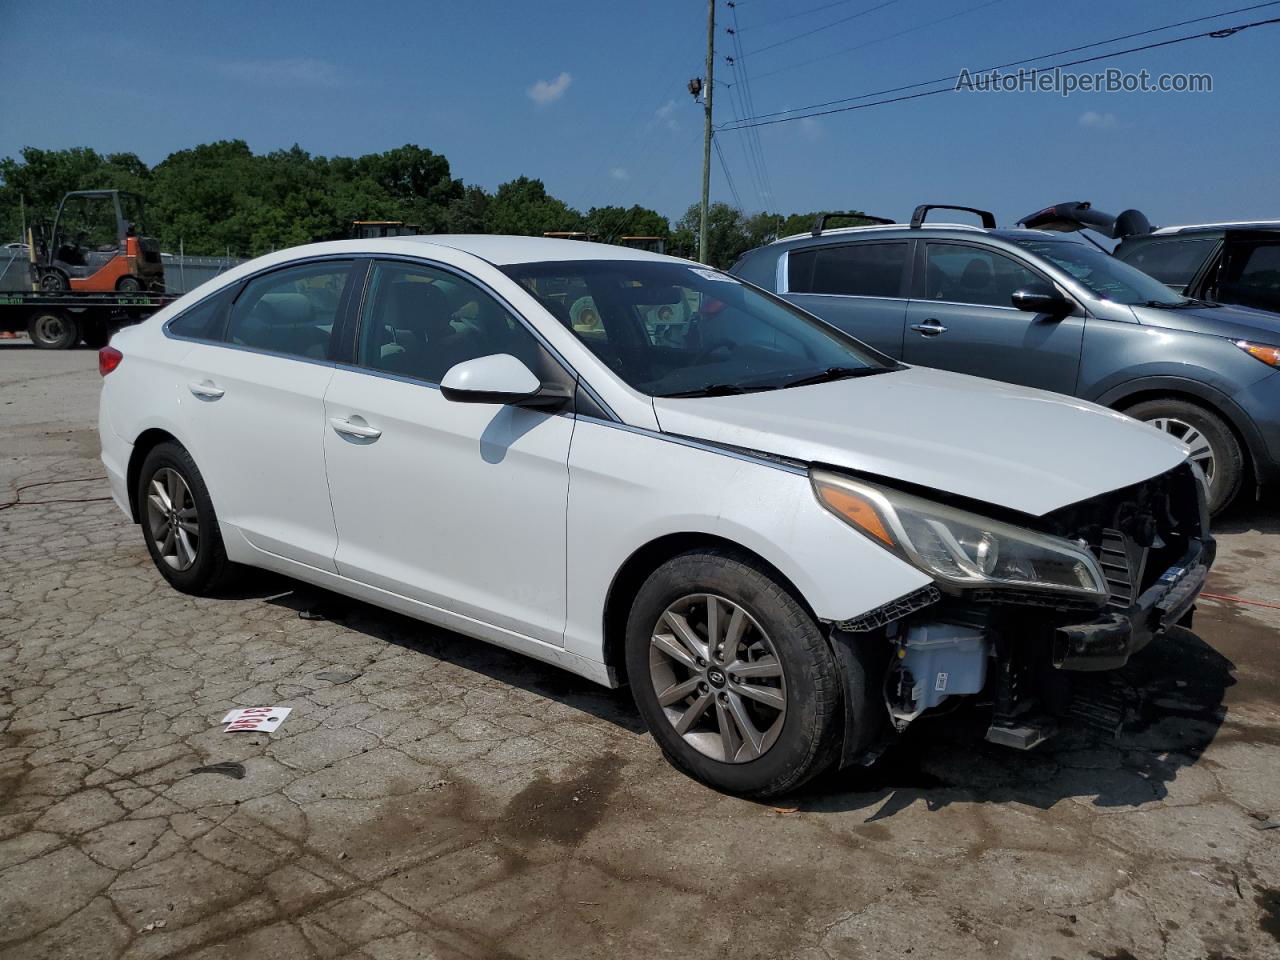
(205, 389)
(930, 328)
(357, 431)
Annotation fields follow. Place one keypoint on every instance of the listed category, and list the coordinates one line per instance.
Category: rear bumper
(1110, 640)
(116, 453)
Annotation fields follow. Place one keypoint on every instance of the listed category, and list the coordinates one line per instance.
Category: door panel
(981, 337)
(458, 505)
(876, 322)
(256, 407)
(256, 430)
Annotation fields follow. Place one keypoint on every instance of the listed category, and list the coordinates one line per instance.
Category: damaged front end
(1019, 604)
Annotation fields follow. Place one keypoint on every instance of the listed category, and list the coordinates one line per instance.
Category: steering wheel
(705, 353)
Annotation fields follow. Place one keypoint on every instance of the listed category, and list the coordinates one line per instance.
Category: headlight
(1261, 351)
(957, 547)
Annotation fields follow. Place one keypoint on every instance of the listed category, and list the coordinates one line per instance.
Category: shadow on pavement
(1169, 701)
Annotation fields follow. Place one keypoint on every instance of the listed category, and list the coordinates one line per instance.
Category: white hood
(1025, 449)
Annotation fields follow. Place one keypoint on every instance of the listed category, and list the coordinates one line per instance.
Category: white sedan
(648, 472)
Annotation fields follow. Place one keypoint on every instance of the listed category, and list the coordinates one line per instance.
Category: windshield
(671, 329)
(1101, 273)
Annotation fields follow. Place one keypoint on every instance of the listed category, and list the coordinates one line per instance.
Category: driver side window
(957, 273)
(418, 322)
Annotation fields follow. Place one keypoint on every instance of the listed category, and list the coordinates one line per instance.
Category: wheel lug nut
(702, 662)
(724, 698)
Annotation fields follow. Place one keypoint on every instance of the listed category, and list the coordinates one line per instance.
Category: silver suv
(1045, 310)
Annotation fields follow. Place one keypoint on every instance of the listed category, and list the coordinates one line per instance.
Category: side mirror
(1041, 298)
(499, 378)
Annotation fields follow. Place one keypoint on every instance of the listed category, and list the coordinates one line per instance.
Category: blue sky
(590, 97)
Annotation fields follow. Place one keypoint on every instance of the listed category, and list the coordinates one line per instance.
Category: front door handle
(930, 328)
(205, 389)
(357, 431)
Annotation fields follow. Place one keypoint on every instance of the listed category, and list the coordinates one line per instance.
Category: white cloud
(1099, 121)
(812, 128)
(549, 91)
(619, 173)
(666, 115)
(296, 72)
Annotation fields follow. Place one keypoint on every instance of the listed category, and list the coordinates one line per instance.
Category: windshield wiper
(834, 373)
(1180, 305)
(716, 390)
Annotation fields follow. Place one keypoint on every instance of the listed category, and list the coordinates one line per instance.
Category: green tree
(727, 235)
(523, 206)
(610, 223)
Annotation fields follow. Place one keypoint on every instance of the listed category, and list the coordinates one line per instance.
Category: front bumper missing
(1109, 641)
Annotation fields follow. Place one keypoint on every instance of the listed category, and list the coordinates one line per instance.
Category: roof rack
(820, 221)
(917, 217)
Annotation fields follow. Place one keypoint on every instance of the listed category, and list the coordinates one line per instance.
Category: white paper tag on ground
(256, 718)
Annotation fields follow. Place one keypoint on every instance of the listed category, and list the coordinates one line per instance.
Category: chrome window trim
(248, 278)
(406, 258)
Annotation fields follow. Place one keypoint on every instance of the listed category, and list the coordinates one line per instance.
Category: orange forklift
(97, 245)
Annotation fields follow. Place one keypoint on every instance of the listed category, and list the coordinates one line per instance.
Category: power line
(728, 177)
(1215, 34)
(751, 27)
(757, 148)
(892, 36)
(1018, 63)
(825, 26)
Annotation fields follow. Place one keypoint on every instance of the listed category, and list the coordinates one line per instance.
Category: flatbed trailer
(58, 320)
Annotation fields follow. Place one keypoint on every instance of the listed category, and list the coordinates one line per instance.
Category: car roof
(1224, 225)
(507, 250)
(906, 231)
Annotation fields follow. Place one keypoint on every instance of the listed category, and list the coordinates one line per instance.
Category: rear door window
(855, 269)
(1172, 262)
(290, 311)
(206, 319)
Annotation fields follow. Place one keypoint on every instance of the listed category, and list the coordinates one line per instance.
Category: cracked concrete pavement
(453, 800)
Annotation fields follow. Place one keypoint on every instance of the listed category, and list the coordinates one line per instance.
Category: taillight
(108, 359)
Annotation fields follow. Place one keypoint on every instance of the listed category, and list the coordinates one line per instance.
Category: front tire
(179, 523)
(1214, 447)
(732, 675)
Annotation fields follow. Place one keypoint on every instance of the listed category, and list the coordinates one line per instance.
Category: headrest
(283, 310)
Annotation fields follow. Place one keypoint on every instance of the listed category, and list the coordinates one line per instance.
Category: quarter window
(418, 322)
(857, 269)
(204, 321)
(290, 311)
(964, 274)
(1251, 277)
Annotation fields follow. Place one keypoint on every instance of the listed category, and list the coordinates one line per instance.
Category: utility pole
(707, 89)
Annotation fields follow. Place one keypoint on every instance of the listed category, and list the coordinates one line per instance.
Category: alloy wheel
(171, 515)
(718, 678)
(1201, 452)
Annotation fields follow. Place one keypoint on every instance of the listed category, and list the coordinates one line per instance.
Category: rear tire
(783, 658)
(129, 284)
(53, 330)
(179, 523)
(1214, 447)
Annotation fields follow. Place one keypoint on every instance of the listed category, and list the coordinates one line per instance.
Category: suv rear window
(855, 269)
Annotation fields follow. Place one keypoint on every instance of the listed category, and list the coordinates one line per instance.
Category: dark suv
(1046, 310)
(1236, 263)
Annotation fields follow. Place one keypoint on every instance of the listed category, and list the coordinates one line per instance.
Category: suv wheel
(1214, 448)
(732, 676)
(178, 522)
